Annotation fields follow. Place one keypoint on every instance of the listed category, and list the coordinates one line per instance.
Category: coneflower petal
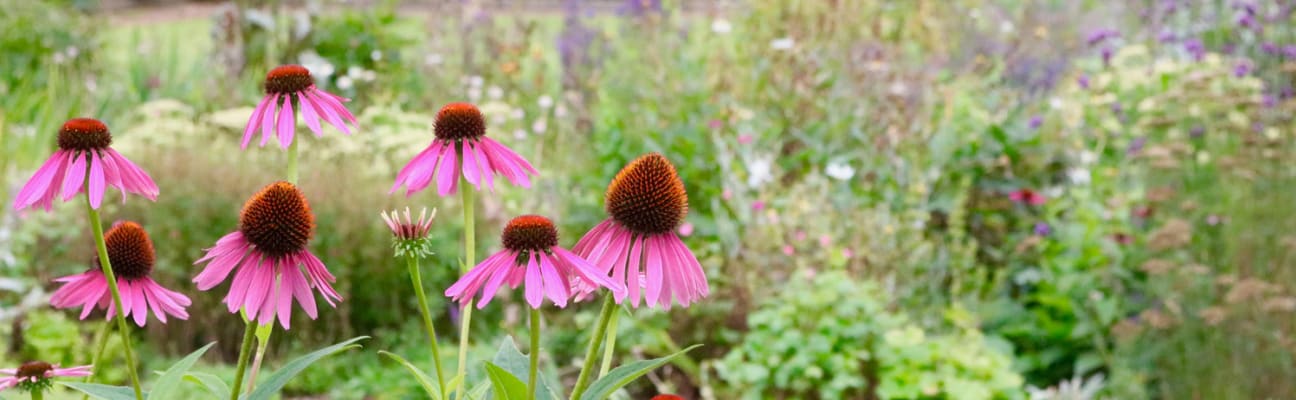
(554, 285)
(470, 171)
(40, 181)
(254, 121)
(241, 284)
(263, 276)
(287, 123)
(284, 295)
(97, 181)
(653, 269)
(271, 301)
(301, 291)
(267, 120)
(498, 268)
(307, 109)
(330, 112)
(140, 302)
(634, 270)
(74, 177)
(112, 174)
(534, 287)
(488, 173)
(447, 179)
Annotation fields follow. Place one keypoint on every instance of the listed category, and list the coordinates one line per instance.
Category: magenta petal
(534, 288)
(287, 123)
(470, 171)
(555, 286)
(74, 177)
(268, 119)
(41, 180)
(112, 174)
(140, 302)
(492, 273)
(254, 121)
(97, 181)
(654, 271)
(447, 178)
(307, 109)
(300, 290)
(329, 110)
(134, 179)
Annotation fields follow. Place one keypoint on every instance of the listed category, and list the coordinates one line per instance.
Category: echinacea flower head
(269, 251)
(35, 375)
(410, 234)
(462, 147)
(84, 161)
(1027, 196)
(289, 88)
(131, 254)
(637, 244)
(531, 257)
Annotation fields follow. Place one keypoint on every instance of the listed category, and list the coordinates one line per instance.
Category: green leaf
(507, 386)
(166, 386)
(422, 378)
(620, 376)
(479, 391)
(103, 392)
(278, 379)
(212, 383)
(510, 359)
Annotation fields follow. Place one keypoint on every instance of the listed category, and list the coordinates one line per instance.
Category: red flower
(1027, 196)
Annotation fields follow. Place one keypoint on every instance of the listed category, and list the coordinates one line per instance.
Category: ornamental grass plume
(269, 251)
(285, 86)
(637, 245)
(461, 147)
(531, 255)
(131, 252)
(84, 161)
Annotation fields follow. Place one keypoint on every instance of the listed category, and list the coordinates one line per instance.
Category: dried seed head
(288, 79)
(459, 121)
(530, 232)
(130, 250)
(647, 196)
(34, 369)
(277, 220)
(84, 134)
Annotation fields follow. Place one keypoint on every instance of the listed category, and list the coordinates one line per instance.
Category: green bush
(832, 337)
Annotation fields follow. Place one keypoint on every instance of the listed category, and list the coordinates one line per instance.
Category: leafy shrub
(832, 337)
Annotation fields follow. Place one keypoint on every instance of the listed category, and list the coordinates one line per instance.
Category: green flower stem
(470, 258)
(611, 344)
(37, 394)
(600, 329)
(244, 352)
(535, 353)
(292, 157)
(262, 343)
(106, 265)
(101, 343)
(417, 278)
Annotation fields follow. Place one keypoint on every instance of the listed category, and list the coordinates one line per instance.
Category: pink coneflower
(84, 160)
(285, 86)
(461, 144)
(637, 244)
(35, 375)
(531, 254)
(268, 250)
(1027, 196)
(131, 253)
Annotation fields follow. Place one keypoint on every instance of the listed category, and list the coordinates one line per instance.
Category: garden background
(923, 199)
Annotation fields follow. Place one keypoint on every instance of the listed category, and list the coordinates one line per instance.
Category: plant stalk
(106, 265)
(416, 277)
(610, 347)
(470, 258)
(244, 351)
(600, 330)
(535, 354)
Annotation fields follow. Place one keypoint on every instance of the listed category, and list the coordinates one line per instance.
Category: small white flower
(495, 93)
(520, 134)
(376, 55)
(1088, 157)
(839, 170)
(476, 81)
(1079, 176)
(721, 26)
(545, 102)
(345, 82)
(758, 171)
(517, 113)
(319, 67)
(782, 44)
(1056, 103)
(539, 126)
(474, 94)
(72, 51)
(432, 59)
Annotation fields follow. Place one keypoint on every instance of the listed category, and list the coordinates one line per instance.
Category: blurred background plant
(894, 200)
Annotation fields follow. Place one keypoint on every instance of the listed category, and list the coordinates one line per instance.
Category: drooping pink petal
(96, 181)
(140, 301)
(41, 181)
(470, 171)
(582, 269)
(254, 121)
(271, 302)
(534, 287)
(112, 175)
(494, 270)
(263, 277)
(585, 246)
(654, 271)
(74, 177)
(447, 176)
(292, 278)
(287, 123)
(320, 277)
(308, 114)
(634, 270)
(418, 173)
(556, 288)
(330, 112)
(224, 257)
(134, 179)
(268, 120)
(246, 271)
